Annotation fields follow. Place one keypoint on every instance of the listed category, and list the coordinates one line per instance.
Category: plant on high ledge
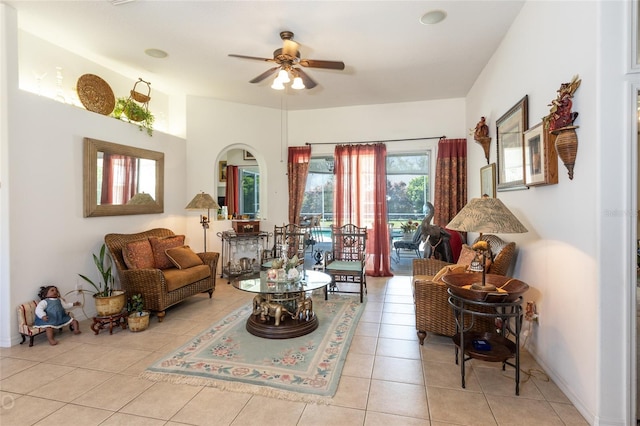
(134, 113)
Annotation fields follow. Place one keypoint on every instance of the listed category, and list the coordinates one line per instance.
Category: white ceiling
(389, 55)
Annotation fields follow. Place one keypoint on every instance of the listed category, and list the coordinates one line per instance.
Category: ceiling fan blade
(264, 75)
(251, 57)
(316, 63)
(308, 81)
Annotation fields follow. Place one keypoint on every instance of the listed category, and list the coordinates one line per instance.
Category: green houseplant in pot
(138, 318)
(134, 113)
(108, 301)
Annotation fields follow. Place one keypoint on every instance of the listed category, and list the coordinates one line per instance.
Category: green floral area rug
(305, 368)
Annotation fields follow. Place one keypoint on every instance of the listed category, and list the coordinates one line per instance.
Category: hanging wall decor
(481, 135)
(559, 122)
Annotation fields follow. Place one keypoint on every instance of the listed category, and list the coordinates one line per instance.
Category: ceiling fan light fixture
(433, 17)
(297, 83)
(283, 76)
(277, 84)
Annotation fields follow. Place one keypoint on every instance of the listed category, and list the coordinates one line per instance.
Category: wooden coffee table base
(287, 328)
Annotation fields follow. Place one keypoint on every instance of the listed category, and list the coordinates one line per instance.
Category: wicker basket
(140, 97)
(110, 305)
(138, 322)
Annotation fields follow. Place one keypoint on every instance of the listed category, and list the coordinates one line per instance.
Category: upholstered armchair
(433, 312)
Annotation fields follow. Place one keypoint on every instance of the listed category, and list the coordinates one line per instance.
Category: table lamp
(486, 215)
(200, 202)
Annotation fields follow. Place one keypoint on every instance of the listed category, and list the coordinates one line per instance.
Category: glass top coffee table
(281, 310)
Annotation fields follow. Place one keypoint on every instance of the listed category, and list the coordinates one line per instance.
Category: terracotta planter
(111, 305)
(567, 146)
(138, 322)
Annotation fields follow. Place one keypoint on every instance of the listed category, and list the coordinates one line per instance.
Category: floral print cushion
(161, 245)
(138, 255)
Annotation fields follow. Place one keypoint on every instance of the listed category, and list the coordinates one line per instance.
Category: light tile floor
(388, 378)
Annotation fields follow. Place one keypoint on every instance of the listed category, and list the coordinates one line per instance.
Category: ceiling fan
(288, 59)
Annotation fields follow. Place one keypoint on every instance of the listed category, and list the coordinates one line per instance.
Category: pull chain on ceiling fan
(288, 63)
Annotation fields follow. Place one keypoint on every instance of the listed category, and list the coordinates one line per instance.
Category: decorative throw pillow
(468, 255)
(183, 257)
(449, 269)
(138, 254)
(161, 245)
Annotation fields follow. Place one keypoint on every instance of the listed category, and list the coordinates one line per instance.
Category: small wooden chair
(346, 260)
(26, 318)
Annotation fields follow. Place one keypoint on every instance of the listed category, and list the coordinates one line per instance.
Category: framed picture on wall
(510, 129)
(222, 170)
(540, 158)
(488, 180)
(247, 155)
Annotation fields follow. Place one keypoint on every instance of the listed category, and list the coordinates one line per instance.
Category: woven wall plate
(95, 94)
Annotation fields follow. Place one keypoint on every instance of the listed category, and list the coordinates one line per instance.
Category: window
(408, 187)
(249, 202)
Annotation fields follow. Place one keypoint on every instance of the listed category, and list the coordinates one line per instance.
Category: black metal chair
(412, 246)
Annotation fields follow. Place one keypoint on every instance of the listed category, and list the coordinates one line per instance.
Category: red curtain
(297, 171)
(360, 198)
(450, 180)
(231, 193)
(119, 179)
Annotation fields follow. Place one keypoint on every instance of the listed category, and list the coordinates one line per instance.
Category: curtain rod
(389, 140)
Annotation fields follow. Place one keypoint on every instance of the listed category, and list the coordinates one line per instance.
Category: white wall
(579, 340)
(45, 238)
(50, 241)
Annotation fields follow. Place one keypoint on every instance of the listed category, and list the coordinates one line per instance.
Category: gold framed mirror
(121, 180)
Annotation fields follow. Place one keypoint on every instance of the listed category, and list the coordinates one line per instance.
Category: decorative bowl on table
(507, 289)
(293, 275)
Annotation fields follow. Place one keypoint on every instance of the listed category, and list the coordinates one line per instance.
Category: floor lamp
(200, 202)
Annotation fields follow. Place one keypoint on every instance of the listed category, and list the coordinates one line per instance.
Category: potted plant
(138, 318)
(108, 301)
(408, 229)
(134, 113)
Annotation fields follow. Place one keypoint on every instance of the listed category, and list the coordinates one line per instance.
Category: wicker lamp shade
(202, 201)
(486, 215)
(141, 198)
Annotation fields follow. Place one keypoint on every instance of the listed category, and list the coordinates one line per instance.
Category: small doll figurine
(51, 313)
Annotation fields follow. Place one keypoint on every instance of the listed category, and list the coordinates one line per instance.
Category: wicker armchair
(152, 283)
(433, 312)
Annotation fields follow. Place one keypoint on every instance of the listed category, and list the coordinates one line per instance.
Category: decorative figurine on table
(317, 256)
